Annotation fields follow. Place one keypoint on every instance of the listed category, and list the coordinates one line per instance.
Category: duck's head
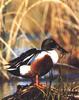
(48, 44)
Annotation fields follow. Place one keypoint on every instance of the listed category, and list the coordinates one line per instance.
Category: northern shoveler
(44, 60)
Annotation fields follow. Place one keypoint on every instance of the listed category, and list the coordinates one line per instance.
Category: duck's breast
(42, 65)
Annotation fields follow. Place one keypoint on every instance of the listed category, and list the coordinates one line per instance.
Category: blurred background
(26, 23)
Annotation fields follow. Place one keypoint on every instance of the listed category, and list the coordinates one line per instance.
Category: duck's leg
(37, 80)
(38, 84)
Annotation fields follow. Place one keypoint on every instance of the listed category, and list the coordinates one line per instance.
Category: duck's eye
(24, 69)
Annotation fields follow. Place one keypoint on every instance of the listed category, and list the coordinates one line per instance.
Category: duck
(43, 60)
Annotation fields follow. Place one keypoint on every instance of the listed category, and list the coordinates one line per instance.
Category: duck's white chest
(53, 54)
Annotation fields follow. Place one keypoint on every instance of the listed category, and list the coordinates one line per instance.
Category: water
(8, 88)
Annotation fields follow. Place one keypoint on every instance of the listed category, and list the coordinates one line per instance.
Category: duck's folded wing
(22, 57)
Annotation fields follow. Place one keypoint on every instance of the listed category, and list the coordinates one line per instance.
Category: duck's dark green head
(48, 44)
